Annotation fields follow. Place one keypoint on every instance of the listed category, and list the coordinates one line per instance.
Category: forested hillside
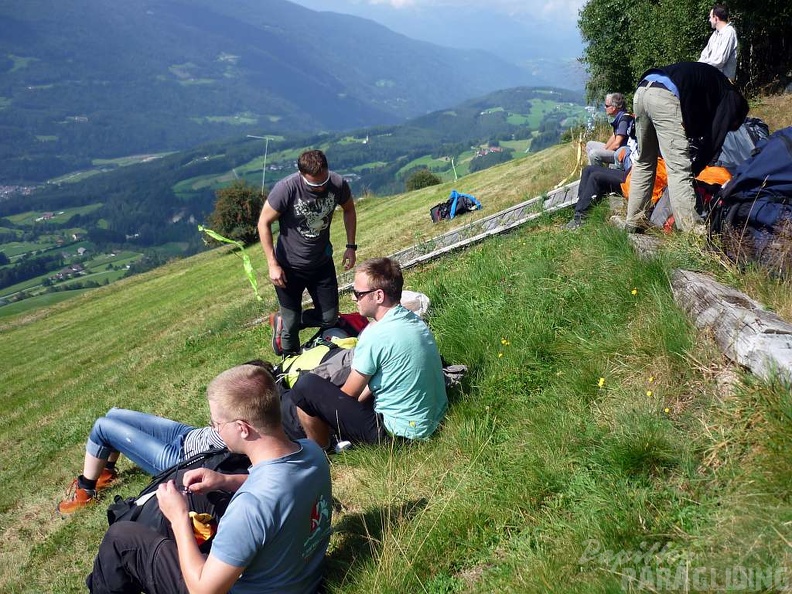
(85, 80)
(145, 213)
(626, 37)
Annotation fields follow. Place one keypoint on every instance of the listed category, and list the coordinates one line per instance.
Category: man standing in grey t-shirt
(303, 204)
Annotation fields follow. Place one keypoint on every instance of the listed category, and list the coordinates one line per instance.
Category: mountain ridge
(88, 79)
(145, 210)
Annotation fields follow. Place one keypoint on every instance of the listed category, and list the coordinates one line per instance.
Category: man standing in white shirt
(721, 50)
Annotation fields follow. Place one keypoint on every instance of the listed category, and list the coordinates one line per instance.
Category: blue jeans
(151, 442)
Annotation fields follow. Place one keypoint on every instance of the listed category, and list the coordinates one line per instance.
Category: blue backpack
(752, 214)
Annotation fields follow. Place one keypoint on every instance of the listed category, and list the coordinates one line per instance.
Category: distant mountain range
(157, 200)
(516, 32)
(89, 79)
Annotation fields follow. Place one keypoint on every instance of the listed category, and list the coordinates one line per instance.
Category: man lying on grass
(396, 386)
(153, 443)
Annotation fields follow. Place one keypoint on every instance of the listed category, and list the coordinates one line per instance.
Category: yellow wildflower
(601, 382)
(634, 291)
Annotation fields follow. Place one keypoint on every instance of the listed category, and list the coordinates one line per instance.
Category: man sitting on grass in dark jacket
(597, 181)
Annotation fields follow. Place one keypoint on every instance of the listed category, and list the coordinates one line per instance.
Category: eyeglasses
(218, 425)
(313, 185)
(609, 105)
(359, 294)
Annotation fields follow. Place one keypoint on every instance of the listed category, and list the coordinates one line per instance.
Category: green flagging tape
(248, 267)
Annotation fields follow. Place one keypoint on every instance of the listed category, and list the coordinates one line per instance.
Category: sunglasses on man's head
(314, 185)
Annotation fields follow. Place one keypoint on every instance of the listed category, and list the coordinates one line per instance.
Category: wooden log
(743, 329)
(646, 246)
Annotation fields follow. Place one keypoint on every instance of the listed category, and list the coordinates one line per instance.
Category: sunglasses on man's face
(315, 185)
(359, 294)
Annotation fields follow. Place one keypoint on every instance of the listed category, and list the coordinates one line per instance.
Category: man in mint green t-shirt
(396, 385)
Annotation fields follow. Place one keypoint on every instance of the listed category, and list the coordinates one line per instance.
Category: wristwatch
(351, 246)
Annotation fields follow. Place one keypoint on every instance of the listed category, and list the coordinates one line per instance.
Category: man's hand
(277, 276)
(349, 258)
(365, 394)
(201, 574)
(203, 480)
(615, 141)
(268, 216)
(172, 502)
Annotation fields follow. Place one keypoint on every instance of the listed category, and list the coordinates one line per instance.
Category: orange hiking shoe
(76, 498)
(107, 478)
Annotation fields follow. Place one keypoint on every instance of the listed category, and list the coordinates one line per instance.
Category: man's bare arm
(350, 225)
(356, 385)
(202, 575)
(268, 216)
(615, 141)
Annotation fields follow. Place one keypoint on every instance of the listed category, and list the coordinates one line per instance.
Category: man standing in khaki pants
(687, 100)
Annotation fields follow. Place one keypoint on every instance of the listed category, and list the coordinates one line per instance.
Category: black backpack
(740, 144)
(751, 219)
(457, 204)
(145, 508)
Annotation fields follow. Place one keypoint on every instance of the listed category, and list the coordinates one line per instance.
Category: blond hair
(248, 392)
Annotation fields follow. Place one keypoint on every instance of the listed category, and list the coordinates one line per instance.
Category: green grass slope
(596, 438)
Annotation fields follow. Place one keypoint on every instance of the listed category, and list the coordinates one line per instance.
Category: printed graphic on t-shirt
(320, 525)
(314, 216)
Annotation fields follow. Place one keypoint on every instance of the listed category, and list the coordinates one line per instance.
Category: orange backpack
(661, 181)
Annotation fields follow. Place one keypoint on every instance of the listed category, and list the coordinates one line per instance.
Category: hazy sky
(521, 29)
(565, 11)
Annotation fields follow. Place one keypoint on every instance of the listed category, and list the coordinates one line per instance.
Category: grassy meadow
(597, 444)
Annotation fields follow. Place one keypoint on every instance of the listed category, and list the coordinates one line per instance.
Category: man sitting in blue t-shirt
(396, 385)
(274, 534)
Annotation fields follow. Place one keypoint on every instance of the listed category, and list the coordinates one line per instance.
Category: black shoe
(576, 222)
